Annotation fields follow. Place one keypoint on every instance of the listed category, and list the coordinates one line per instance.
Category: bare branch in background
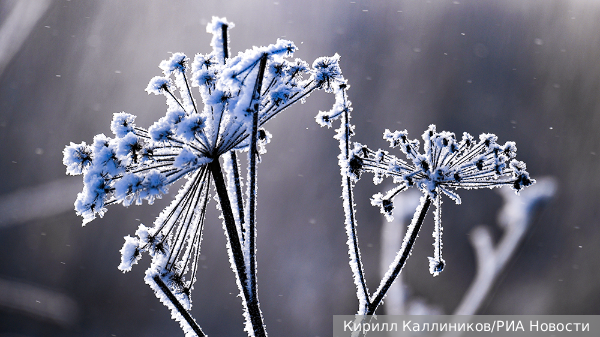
(515, 218)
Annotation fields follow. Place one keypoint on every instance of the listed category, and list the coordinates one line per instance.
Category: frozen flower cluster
(141, 163)
(240, 95)
(445, 165)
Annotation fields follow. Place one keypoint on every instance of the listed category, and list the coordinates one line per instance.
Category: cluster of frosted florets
(139, 164)
(446, 165)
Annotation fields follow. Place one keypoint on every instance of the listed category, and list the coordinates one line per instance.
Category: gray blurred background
(526, 70)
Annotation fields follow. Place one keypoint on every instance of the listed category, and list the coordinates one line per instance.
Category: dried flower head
(445, 165)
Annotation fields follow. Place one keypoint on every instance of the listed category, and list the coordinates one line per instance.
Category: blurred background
(526, 70)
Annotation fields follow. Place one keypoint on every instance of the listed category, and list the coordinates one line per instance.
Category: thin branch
(234, 173)
(250, 222)
(391, 241)
(356, 264)
(184, 313)
(515, 217)
(403, 254)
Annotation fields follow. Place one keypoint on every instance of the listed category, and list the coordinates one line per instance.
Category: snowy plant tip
(444, 165)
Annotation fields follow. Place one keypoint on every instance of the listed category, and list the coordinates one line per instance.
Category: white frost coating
(153, 186)
(343, 135)
(77, 158)
(122, 124)
(128, 147)
(190, 127)
(264, 138)
(128, 188)
(156, 269)
(228, 168)
(175, 64)
(161, 131)
(185, 158)
(404, 248)
(436, 263)
(247, 321)
(215, 28)
(158, 85)
(130, 253)
(188, 159)
(328, 72)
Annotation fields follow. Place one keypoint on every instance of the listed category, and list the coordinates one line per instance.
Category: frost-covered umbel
(239, 95)
(446, 165)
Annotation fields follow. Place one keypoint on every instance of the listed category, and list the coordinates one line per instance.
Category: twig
(403, 254)
(353, 249)
(391, 240)
(184, 313)
(250, 243)
(515, 217)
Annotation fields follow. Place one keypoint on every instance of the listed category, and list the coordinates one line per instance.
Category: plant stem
(236, 250)
(353, 248)
(403, 254)
(232, 155)
(184, 313)
(252, 188)
(224, 38)
(238, 191)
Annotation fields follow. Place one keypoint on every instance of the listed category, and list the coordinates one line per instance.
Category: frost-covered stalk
(394, 270)
(250, 242)
(180, 309)
(254, 321)
(240, 95)
(356, 265)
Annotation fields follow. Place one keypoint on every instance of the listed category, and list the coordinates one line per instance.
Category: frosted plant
(445, 165)
(240, 95)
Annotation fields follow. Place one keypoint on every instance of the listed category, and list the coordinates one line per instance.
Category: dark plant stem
(252, 158)
(224, 38)
(232, 155)
(184, 313)
(246, 278)
(236, 249)
(404, 253)
(238, 191)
